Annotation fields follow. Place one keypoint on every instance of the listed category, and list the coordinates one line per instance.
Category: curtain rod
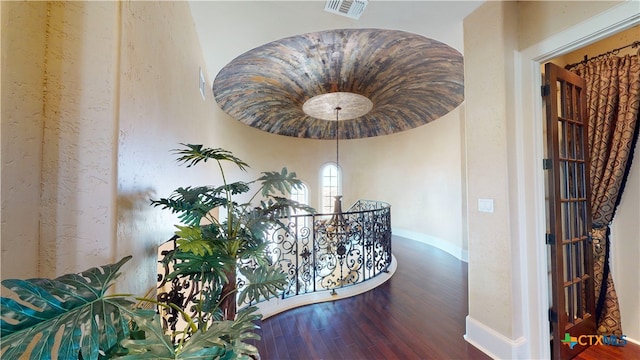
(635, 44)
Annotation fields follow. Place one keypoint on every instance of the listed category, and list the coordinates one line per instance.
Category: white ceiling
(229, 28)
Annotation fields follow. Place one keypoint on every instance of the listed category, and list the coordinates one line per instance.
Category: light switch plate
(485, 205)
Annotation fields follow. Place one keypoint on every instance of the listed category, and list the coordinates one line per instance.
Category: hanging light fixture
(338, 227)
(337, 204)
(338, 107)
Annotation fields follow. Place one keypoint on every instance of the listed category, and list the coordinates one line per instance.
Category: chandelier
(343, 108)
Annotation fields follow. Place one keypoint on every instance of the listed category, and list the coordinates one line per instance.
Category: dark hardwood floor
(630, 351)
(418, 314)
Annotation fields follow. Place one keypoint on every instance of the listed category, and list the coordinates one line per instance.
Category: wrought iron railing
(318, 252)
(329, 251)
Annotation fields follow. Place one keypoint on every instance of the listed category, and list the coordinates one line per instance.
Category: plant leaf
(190, 240)
(263, 281)
(155, 345)
(278, 182)
(200, 268)
(74, 305)
(193, 203)
(194, 154)
(224, 339)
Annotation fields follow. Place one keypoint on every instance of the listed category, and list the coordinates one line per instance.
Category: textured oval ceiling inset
(410, 79)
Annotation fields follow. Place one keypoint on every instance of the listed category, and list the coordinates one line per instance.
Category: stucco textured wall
(78, 173)
(160, 106)
(542, 19)
(100, 92)
(625, 252)
(488, 48)
(23, 49)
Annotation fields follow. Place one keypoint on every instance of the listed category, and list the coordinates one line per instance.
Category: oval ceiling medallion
(386, 81)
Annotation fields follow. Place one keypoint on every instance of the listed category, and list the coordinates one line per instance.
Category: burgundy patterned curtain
(613, 97)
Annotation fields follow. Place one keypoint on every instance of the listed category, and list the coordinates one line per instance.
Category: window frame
(296, 197)
(327, 208)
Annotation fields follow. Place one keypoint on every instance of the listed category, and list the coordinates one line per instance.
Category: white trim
(601, 26)
(531, 280)
(276, 306)
(458, 252)
(637, 342)
(533, 277)
(494, 344)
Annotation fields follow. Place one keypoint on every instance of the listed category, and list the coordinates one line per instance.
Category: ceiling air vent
(348, 8)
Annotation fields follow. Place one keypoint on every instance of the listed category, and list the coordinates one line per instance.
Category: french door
(572, 312)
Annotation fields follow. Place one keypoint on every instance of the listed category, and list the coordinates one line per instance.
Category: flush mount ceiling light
(386, 81)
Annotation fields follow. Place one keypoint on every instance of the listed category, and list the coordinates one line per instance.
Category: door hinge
(546, 164)
(553, 316)
(545, 90)
(550, 239)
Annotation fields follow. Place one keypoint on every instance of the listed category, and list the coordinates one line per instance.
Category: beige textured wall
(625, 252)
(121, 91)
(489, 47)
(160, 106)
(79, 137)
(23, 47)
(541, 19)
(417, 172)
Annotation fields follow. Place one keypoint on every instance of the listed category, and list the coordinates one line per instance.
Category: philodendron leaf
(264, 281)
(278, 182)
(190, 240)
(222, 340)
(225, 339)
(155, 345)
(194, 153)
(72, 308)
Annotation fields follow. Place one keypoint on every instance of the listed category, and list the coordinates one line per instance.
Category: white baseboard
(634, 341)
(492, 343)
(458, 252)
(276, 306)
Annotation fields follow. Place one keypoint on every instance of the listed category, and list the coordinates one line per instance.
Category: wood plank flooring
(418, 314)
(630, 351)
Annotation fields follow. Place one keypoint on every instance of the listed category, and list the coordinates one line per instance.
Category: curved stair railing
(319, 252)
(322, 252)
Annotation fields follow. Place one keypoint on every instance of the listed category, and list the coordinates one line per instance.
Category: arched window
(331, 182)
(300, 195)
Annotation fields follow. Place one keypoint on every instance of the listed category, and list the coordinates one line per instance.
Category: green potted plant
(213, 249)
(73, 316)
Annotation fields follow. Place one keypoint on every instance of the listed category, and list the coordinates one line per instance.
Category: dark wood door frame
(572, 311)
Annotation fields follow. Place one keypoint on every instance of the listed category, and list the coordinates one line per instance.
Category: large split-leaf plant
(213, 247)
(73, 317)
(68, 317)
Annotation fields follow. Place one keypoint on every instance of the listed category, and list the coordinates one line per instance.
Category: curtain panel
(613, 99)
